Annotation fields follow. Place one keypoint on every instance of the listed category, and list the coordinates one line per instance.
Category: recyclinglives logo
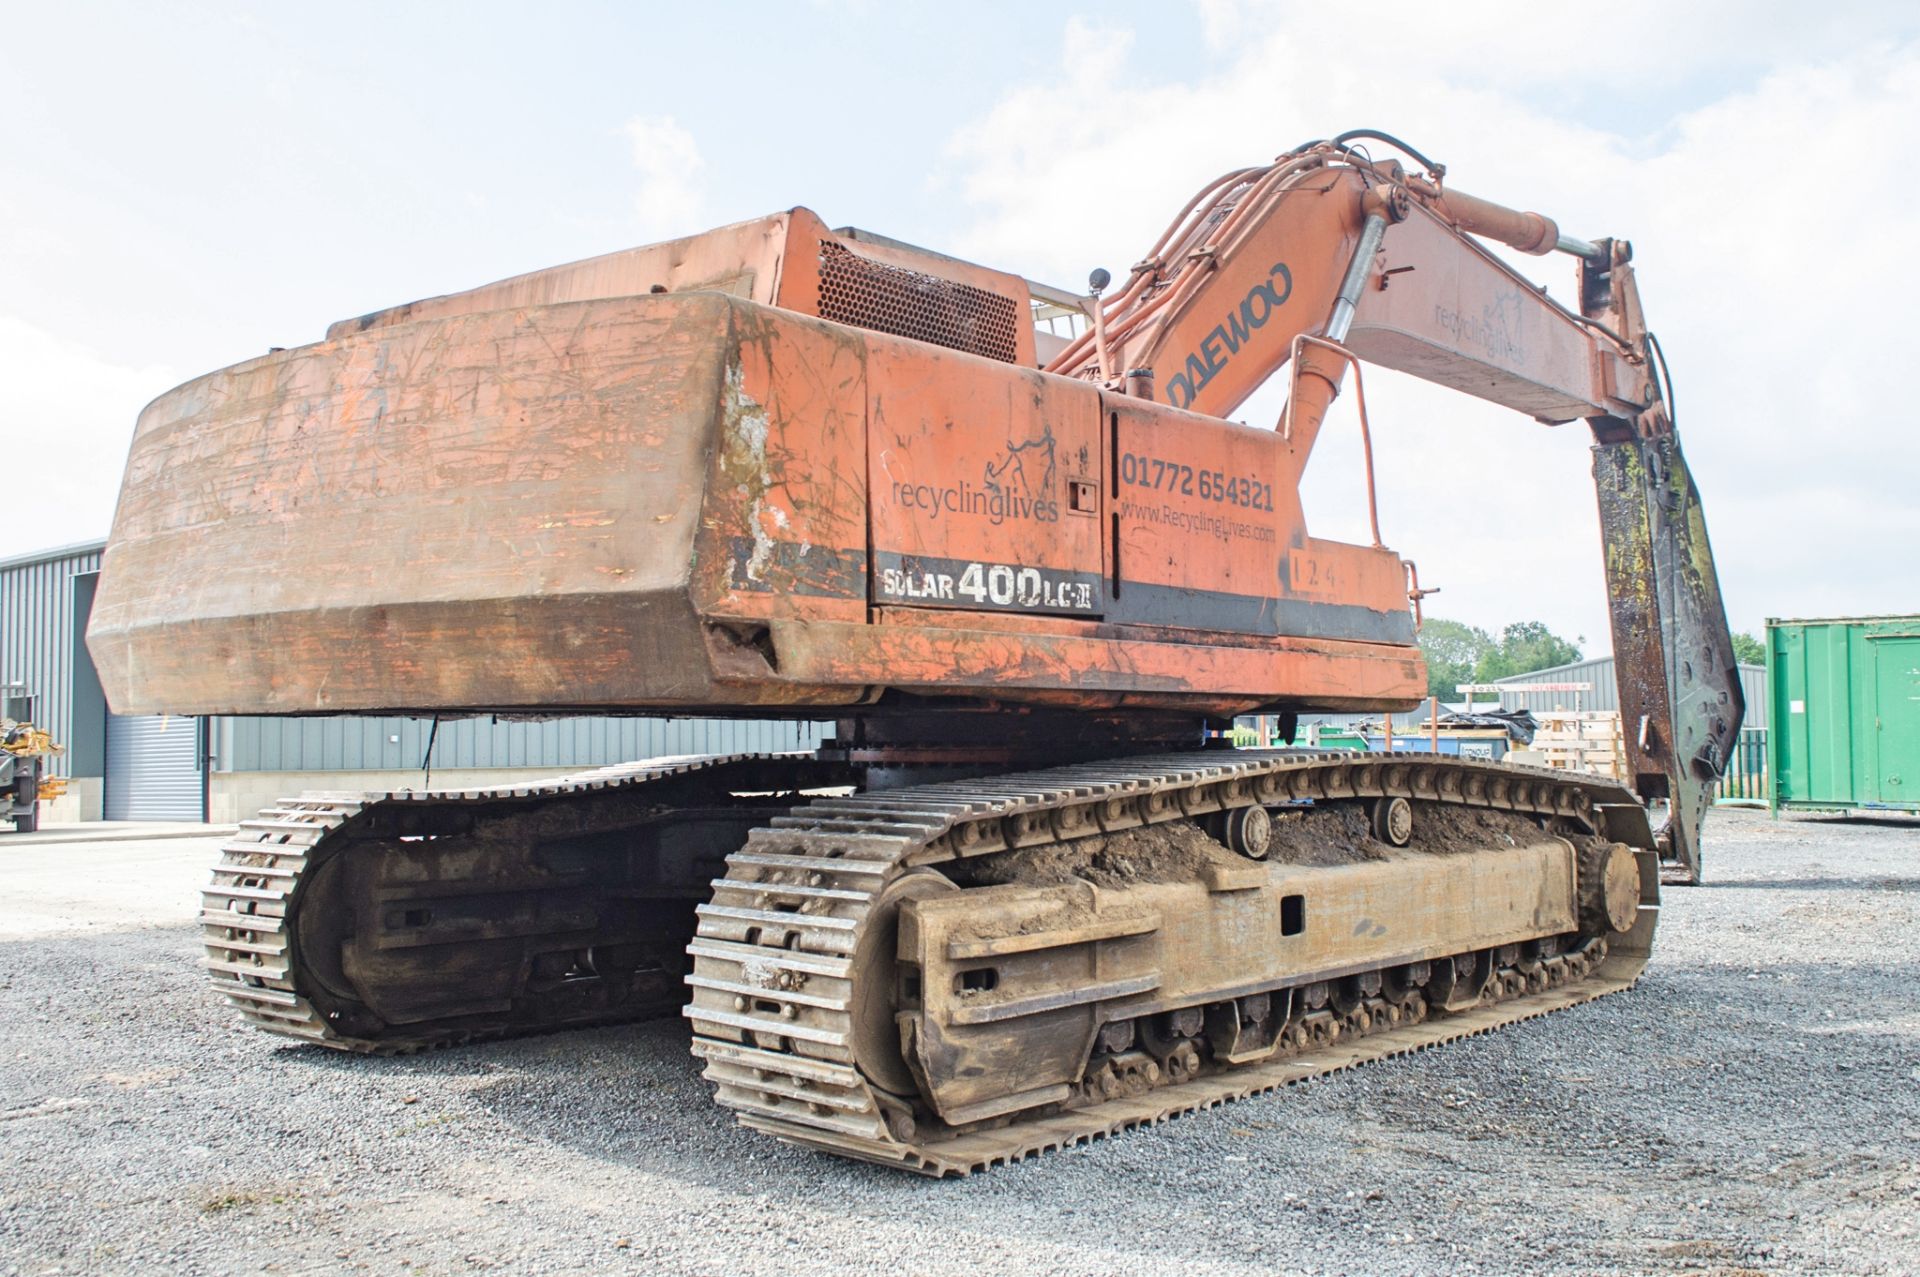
(1018, 484)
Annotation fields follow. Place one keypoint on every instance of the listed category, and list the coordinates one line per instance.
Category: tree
(1749, 650)
(1523, 647)
(1453, 652)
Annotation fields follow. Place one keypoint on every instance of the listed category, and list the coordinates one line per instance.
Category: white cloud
(673, 188)
(66, 415)
(1637, 45)
(1771, 217)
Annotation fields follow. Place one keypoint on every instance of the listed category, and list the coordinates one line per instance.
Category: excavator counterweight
(1023, 898)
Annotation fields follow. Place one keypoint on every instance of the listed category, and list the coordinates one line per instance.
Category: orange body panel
(1219, 344)
(987, 485)
(694, 502)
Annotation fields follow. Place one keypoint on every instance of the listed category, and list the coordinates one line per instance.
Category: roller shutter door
(153, 768)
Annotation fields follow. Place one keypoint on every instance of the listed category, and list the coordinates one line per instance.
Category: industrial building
(162, 768)
(1605, 694)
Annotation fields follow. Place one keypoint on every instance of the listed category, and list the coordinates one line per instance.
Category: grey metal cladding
(350, 743)
(38, 633)
(1606, 694)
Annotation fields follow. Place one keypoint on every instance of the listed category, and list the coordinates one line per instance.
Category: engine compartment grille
(884, 298)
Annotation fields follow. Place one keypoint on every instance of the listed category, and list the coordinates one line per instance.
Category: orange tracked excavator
(1017, 901)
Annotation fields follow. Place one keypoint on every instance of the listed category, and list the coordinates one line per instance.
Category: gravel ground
(1752, 1107)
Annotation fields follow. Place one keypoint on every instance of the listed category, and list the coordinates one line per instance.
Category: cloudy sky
(183, 185)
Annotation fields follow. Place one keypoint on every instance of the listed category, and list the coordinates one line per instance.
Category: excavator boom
(1326, 254)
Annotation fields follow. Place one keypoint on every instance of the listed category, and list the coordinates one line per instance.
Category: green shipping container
(1844, 700)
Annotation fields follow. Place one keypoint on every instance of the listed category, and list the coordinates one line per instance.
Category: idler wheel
(876, 1038)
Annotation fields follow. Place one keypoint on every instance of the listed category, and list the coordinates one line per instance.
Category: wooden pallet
(1582, 740)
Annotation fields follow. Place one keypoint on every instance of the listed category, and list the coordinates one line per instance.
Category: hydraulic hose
(1350, 135)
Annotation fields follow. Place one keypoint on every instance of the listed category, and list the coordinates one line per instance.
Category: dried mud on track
(1154, 853)
(1752, 1107)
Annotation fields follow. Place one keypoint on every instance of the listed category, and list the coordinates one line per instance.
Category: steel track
(785, 924)
(250, 911)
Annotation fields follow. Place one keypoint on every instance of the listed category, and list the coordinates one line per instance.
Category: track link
(776, 985)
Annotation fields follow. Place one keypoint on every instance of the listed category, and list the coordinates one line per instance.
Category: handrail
(1360, 399)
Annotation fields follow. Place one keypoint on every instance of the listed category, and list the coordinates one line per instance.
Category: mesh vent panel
(908, 303)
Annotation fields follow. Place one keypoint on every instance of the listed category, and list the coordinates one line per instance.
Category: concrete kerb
(113, 831)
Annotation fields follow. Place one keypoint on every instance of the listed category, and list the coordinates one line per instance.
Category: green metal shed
(1844, 710)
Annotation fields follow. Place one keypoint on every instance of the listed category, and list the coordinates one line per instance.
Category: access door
(985, 483)
(153, 768)
(1897, 713)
